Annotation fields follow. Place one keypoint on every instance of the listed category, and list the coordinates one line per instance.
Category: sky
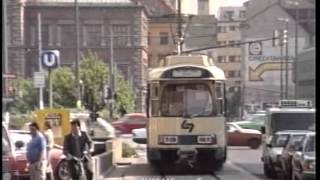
(220, 3)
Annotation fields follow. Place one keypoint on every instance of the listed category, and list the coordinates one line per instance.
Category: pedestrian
(37, 153)
(78, 144)
(48, 134)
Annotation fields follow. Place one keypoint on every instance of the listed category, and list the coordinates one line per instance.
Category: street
(243, 163)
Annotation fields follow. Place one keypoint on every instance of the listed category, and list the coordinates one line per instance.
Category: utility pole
(281, 67)
(296, 48)
(111, 69)
(39, 58)
(4, 53)
(4, 43)
(77, 54)
(180, 39)
(286, 34)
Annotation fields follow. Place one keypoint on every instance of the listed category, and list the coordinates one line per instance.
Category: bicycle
(80, 170)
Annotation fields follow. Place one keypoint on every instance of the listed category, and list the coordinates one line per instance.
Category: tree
(63, 87)
(26, 98)
(125, 96)
(94, 75)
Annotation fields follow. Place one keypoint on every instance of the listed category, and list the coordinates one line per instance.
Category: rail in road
(144, 172)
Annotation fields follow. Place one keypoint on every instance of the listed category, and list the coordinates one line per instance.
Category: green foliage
(128, 151)
(26, 96)
(94, 75)
(125, 96)
(19, 120)
(63, 85)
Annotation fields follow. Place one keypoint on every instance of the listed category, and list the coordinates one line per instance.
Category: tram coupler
(187, 157)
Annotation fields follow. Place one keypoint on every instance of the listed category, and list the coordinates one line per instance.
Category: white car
(139, 135)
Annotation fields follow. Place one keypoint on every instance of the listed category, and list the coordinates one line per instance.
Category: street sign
(59, 120)
(9, 76)
(7, 99)
(39, 80)
(50, 59)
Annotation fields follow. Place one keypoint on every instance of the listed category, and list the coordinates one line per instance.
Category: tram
(186, 111)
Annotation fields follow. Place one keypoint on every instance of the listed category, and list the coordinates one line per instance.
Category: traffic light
(108, 93)
(285, 36)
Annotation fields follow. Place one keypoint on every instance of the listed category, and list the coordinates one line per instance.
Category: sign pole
(40, 65)
(50, 89)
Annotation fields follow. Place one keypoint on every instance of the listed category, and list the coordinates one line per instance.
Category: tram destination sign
(186, 73)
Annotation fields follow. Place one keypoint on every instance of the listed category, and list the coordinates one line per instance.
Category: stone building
(127, 19)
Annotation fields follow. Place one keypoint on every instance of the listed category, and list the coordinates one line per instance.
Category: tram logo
(186, 125)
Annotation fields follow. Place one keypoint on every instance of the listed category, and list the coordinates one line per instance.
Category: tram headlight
(168, 139)
(208, 139)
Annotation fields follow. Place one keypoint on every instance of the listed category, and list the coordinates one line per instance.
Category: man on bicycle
(78, 144)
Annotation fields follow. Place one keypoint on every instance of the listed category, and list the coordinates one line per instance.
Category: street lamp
(286, 43)
(295, 4)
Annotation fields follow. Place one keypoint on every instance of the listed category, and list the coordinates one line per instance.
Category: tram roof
(197, 61)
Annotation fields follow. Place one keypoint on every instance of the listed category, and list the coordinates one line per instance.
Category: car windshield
(279, 140)
(24, 137)
(311, 143)
(292, 121)
(186, 100)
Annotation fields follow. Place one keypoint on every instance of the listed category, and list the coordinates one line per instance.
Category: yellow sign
(255, 74)
(60, 122)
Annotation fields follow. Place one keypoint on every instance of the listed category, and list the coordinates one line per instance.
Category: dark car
(295, 141)
(304, 159)
(126, 124)
(238, 136)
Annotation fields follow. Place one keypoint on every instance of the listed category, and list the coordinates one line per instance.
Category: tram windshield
(186, 100)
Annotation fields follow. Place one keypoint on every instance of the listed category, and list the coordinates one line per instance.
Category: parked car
(8, 159)
(304, 159)
(21, 138)
(294, 143)
(126, 124)
(273, 150)
(139, 135)
(238, 136)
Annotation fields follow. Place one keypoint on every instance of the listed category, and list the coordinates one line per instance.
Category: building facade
(229, 58)
(126, 19)
(264, 62)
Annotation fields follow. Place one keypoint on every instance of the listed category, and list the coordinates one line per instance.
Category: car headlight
(310, 165)
(168, 139)
(208, 139)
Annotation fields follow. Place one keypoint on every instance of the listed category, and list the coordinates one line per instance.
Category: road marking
(240, 169)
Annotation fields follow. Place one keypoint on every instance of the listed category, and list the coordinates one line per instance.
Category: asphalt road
(243, 164)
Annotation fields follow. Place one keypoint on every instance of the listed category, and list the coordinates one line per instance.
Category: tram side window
(219, 96)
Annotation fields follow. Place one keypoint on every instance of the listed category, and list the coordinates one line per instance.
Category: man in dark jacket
(78, 144)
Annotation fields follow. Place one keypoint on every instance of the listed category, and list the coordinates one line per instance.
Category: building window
(124, 70)
(232, 74)
(233, 28)
(222, 43)
(228, 15)
(93, 35)
(46, 35)
(121, 35)
(231, 89)
(68, 36)
(149, 38)
(222, 29)
(222, 59)
(164, 38)
(33, 35)
(231, 43)
(232, 59)
(237, 82)
(203, 7)
(242, 14)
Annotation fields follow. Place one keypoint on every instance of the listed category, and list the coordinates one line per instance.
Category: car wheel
(62, 172)
(254, 143)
